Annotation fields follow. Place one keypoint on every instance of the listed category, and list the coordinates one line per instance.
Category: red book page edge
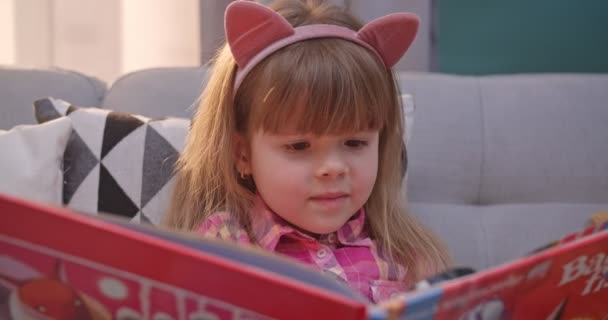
(170, 263)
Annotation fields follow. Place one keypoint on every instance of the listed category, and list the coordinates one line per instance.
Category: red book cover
(58, 264)
(566, 280)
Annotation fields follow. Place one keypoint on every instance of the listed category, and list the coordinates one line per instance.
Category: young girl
(296, 146)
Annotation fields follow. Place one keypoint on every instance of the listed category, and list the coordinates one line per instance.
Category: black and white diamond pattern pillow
(117, 162)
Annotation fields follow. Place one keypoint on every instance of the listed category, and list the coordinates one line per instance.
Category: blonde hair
(344, 88)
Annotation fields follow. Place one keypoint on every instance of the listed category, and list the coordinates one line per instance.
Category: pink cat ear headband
(255, 31)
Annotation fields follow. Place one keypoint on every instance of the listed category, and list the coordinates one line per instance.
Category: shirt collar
(268, 228)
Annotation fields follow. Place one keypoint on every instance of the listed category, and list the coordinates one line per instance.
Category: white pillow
(117, 162)
(31, 161)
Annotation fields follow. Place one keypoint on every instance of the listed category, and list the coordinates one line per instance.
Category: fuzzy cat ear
(250, 27)
(390, 35)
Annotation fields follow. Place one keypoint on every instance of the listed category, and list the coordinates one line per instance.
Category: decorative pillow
(117, 162)
(31, 161)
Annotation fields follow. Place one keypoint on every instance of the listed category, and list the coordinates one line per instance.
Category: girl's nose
(332, 166)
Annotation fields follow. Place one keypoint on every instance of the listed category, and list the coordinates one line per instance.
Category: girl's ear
(242, 154)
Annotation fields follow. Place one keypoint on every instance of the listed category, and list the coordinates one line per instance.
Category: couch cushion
(31, 162)
(159, 92)
(508, 139)
(445, 149)
(545, 138)
(482, 236)
(20, 87)
(116, 162)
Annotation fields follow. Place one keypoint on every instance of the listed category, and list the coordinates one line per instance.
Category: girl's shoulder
(223, 226)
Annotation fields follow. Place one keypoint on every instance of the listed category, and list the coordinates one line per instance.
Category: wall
(7, 32)
(101, 38)
(485, 37)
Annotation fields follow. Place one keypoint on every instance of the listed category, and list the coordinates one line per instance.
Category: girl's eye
(355, 143)
(299, 146)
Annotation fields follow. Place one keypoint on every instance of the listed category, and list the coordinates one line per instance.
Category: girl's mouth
(331, 200)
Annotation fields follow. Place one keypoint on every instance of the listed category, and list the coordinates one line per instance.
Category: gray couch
(499, 165)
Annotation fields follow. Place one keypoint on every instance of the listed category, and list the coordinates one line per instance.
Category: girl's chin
(325, 228)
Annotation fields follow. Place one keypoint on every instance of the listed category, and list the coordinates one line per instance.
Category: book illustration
(38, 283)
(48, 296)
(493, 309)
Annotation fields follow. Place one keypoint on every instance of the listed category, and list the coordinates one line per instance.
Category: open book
(55, 264)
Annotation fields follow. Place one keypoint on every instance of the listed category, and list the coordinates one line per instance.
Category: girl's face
(316, 183)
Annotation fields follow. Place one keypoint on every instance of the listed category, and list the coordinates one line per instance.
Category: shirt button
(331, 238)
(322, 253)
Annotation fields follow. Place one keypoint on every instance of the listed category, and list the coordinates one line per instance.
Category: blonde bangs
(322, 86)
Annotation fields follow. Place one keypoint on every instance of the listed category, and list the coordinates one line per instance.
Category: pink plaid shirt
(348, 254)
